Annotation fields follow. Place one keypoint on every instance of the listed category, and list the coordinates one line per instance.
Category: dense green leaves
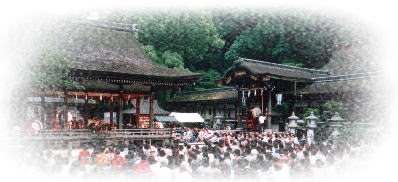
(208, 78)
(168, 58)
(208, 41)
(190, 35)
(331, 107)
(49, 72)
(288, 39)
(204, 40)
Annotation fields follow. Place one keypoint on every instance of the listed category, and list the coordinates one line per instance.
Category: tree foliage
(331, 107)
(289, 39)
(208, 41)
(208, 79)
(168, 58)
(192, 35)
(49, 72)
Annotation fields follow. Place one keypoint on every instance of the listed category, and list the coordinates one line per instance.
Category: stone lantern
(293, 123)
(337, 121)
(217, 124)
(311, 120)
(311, 125)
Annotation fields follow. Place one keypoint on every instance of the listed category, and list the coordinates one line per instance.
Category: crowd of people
(205, 153)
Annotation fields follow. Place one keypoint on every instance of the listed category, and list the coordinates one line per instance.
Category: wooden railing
(87, 134)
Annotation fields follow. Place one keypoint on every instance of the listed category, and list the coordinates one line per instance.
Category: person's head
(293, 156)
(227, 155)
(117, 152)
(319, 163)
(162, 153)
(49, 154)
(181, 157)
(151, 160)
(237, 152)
(205, 162)
(143, 157)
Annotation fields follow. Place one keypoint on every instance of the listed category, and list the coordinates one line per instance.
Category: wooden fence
(84, 134)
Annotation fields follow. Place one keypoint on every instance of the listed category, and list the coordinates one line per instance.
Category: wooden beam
(111, 112)
(85, 110)
(121, 110)
(65, 124)
(104, 93)
(137, 113)
(238, 73)
(151, 113)
(239, 108)
(253, 77)
(55, 122)
(266, 78)
(228, 79)
(269, 109)
(42, 107)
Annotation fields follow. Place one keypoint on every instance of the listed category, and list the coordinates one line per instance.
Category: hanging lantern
(278, 99)
(100, 96)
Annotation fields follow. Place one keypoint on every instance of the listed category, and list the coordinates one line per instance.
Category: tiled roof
(277, 71)
(206, 95)
(108, 50)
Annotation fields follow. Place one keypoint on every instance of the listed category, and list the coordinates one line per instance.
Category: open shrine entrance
(80, 115)
(109, 64)
(259, 84)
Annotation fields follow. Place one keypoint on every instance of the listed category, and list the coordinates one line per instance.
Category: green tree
(173, 60)
(289, 39)
(168, 58)
(50, 71)
(208, 79)
(190, 34)
(331, 107)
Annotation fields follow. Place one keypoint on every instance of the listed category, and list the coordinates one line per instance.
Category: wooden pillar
(238, 109)
(269, 109)
(70, 148)
(55, 122)
(65, 124)
(226, 111)
(85, 110)
(137, 111)
(262, 103)
(111, 112)
(42, 105)
(121, 108)
(151, 113)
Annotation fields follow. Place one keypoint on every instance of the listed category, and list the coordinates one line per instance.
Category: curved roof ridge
(294, 68)
(206, 90)
(346, 77)
(109, 25)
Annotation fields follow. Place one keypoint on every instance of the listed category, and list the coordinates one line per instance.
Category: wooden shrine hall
(108, 62)
(256, 81)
